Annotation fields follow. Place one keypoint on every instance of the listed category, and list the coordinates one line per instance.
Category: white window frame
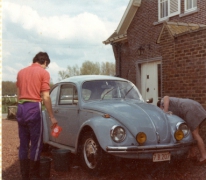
(193, 8)
(173, 8)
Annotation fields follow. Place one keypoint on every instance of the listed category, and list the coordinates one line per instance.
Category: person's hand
(53, 121)
(169, 112)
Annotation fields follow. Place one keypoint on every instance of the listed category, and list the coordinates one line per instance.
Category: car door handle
(56, 111)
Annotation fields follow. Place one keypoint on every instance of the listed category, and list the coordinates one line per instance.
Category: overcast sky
(70, 31)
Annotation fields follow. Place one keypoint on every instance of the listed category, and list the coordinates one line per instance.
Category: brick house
(160, 45)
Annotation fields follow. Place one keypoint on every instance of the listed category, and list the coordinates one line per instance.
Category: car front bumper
(149, 149)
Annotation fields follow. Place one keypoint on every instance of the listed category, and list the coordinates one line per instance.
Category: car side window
(86, 93)
(53, 95)
(68, 95)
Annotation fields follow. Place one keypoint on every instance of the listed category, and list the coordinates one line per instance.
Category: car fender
(173, 120)
(101, 127)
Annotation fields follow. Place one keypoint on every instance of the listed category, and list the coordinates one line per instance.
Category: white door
(149, 80)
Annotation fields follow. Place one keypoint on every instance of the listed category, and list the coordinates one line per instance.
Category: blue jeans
(30, 126)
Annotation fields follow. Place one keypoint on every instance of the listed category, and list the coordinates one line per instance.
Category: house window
(190, 5)
(168, 8)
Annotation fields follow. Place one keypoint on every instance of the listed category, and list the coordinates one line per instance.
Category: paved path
(121, 170)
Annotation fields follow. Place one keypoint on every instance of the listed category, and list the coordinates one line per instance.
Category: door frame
(138, 70)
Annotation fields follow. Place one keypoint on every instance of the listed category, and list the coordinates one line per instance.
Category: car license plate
(161, 157)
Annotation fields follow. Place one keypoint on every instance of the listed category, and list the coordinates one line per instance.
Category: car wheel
(92, 156)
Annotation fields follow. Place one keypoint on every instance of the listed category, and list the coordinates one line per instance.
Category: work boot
(24, 168)
(34, 170)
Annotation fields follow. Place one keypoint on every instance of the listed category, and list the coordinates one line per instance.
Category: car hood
(137, 117)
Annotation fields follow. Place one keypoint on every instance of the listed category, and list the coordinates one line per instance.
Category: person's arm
(166, 101)
(47, 102)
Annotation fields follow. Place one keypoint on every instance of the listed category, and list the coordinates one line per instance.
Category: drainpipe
(117, 47)
(119, 58)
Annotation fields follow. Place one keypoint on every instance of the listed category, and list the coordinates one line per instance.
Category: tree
(9, 88)
(69, 72)
(89, 67)
(51, 82)
(73, 71)
(108, 68)
(63, 75)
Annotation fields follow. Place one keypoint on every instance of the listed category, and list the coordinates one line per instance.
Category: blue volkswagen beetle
(102, 116)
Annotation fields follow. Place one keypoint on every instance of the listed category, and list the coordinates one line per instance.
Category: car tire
(92, 157)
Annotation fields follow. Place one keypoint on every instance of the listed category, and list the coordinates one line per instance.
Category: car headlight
(141, 138)
(179, 135)
(183, 127)
(118, 134)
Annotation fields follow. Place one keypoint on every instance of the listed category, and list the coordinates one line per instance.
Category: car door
(67, 114)
(54, 96)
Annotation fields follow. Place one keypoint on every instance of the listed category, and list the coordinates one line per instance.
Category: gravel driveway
(118, 170)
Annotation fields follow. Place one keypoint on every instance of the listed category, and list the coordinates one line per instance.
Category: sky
(70, 31)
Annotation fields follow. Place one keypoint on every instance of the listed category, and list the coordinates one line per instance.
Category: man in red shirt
(32, 88)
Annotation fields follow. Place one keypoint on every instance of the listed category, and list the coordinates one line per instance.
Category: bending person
(193, 113)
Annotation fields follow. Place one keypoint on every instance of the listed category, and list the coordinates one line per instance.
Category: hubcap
(90, 153)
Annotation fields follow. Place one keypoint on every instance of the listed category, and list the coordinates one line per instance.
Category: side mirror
(150, 100)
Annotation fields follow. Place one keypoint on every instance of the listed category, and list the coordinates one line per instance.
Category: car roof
(82, 78)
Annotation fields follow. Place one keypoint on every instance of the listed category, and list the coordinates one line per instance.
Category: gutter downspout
(120, 58)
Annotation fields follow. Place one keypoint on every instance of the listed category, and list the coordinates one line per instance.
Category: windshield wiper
(107, 93)
(128, 91)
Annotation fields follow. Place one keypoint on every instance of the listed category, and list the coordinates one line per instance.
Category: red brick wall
(184, 66)
(189, 59)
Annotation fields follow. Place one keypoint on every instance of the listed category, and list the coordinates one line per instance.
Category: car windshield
(109, 89)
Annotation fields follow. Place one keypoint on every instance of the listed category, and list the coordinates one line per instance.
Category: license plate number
(161, 157)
